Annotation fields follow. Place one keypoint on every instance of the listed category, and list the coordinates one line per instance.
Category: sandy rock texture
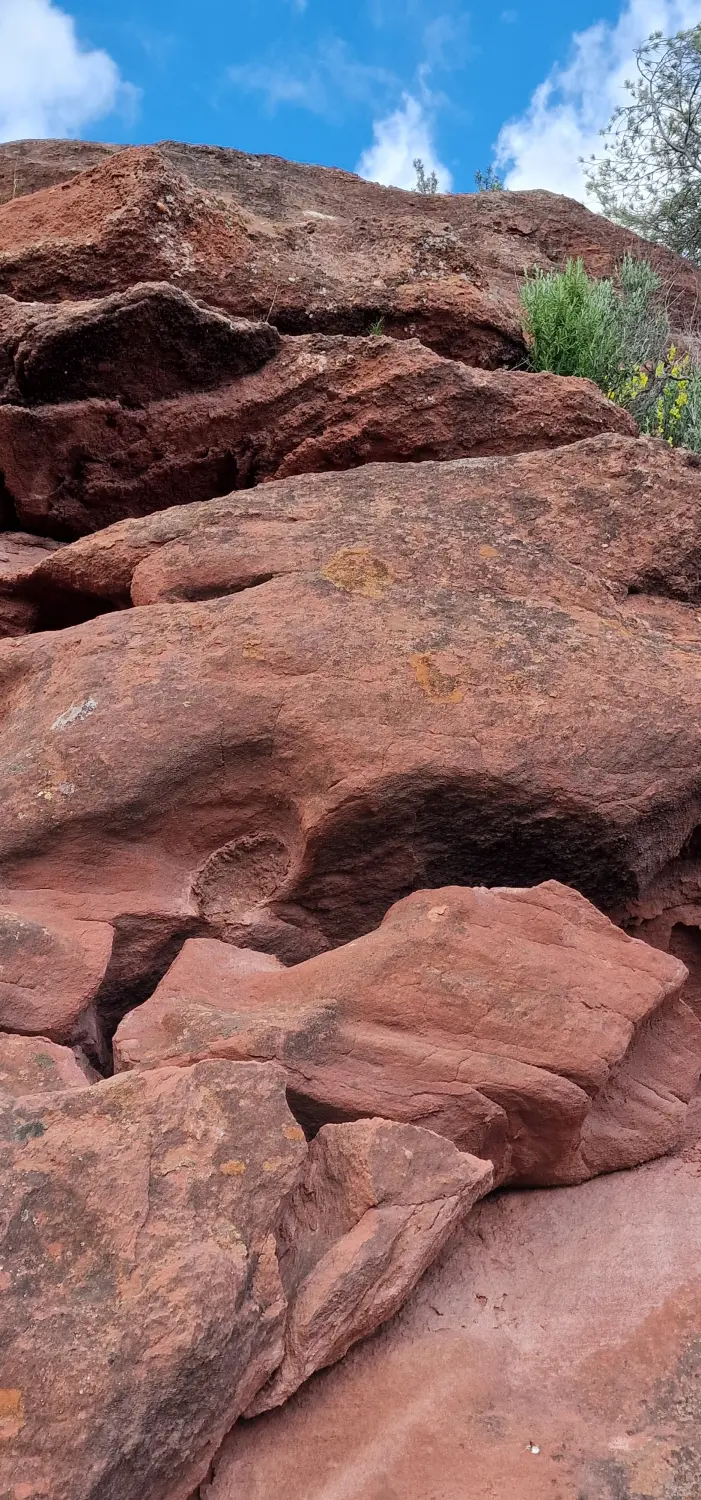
(139, 1232)
(521, 1024)
(145, 399)
(344, 687)
(553, 1350)
(313, 249)
(350, 740)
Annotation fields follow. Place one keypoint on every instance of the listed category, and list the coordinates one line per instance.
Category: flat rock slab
(554, 1350)
(520, 1023)
(321, 403)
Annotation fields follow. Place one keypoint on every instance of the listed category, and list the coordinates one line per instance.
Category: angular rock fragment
(520, 1023)
(51, 968)
(142, 1223)
(553, 1350)
(34, 1065)
(375, 1204)
(322, 403)
(137, 346)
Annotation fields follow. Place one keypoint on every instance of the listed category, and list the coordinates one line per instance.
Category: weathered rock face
(522, 1024)
(35, 1065)
(51, 969)
(139, 1231)
(428, 690)
(553, 1350)
(323, 403)
(317, 250)
(19, 554)
(28, 166)
(374, 1205)
(142, 345)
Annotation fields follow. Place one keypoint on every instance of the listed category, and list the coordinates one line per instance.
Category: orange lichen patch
(253, 650)
(442, 687)
(358, 571)
(11, 1413)
(487, 551)
(293, 1132)
(233, 1168)
(272, 1164)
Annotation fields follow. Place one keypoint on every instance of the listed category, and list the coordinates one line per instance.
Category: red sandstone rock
(374, 1205)
(139, 1235)
(19, 554)
(28, 166)
(323, 403)
(520, 1023)
(552, 1351)
(51, 968)
(315, 250)
(34, 1065)
(135, 347)
(430, 689)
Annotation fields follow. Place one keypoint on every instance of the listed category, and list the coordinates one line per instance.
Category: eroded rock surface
(409, 676)
(323, 403)
(35, 1065)
(20, 552)
(316, 250)
(138, 346)
(141, 1226)
(521, 1024)
(553, 1350)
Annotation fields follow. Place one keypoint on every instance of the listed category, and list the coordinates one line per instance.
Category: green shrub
(618, 335)
(571, 324)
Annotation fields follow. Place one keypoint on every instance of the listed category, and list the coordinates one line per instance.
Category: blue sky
(361, 84)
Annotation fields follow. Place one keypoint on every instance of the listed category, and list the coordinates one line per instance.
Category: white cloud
(567, 111)
(318, 81)
(397, 140)
(49, 84)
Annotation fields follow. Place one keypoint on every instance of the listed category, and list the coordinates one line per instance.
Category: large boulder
(483, 672)
(521, 1023)
(322, 403)
(552, 1351)
(144, 1306)
(315, 250)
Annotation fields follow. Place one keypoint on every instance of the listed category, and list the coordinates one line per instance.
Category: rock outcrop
(553, 1350)
(394, 678)
(311, 249)
(139, 1233)
(521, 1024)
(308, 404)
(350, 721)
